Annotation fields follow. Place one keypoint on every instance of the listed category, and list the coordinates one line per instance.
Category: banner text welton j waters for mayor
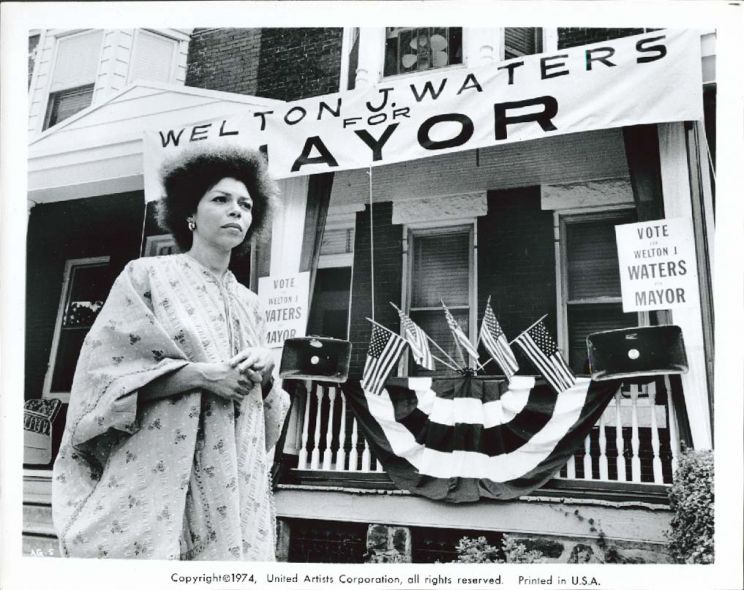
(650, 78)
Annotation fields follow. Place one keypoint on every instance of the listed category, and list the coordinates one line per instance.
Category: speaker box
(317, 358)
(636, 352)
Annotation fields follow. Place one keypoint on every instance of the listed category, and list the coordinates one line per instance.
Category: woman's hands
(231, 380)
(224, 380)
(255, 363)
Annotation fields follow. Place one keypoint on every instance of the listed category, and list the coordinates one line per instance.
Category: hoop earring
(192, 224)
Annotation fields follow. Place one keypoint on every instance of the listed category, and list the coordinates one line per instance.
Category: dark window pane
(586, 319)
(66, 103)
(441, 270)
(521, 41)
(87, 290)
(592, 259)
(68, 350)
(435, 325)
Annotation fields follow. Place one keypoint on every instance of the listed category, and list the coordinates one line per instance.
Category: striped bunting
(540, 347)
(384, 350)
(467, 438)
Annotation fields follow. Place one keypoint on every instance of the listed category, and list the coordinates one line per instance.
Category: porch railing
(635, 440)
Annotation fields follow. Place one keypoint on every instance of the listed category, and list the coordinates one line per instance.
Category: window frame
(410, 232)
(561, 219)
(52, 97)
(539, 39)
(58, 37)
(70, 264)
(174, 57)
(429, 70)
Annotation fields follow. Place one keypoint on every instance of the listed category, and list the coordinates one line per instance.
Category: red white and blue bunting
(468, 438)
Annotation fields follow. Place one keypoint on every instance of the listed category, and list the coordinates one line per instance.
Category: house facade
(528, 226)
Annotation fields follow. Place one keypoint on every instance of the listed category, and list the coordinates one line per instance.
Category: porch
(614, 489)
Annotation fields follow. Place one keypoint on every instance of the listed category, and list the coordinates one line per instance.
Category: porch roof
(99, 150)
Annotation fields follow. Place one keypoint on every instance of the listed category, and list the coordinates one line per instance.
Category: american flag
(416, 337)
(459, 334)
(494, 340)
(384, 350)
(540, 347)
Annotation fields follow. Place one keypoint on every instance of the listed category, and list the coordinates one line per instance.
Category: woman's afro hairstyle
(189, 175)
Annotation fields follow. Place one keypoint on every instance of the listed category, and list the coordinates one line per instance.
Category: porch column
(286, 248)
(482, 47)
(675, 180)
(371, 56)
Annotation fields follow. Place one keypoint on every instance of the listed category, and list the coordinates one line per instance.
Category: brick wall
(100, 226)
(297, 63)
(285, 64)
(516, 262)
(224, 59)
(388, 270)
(571, 37)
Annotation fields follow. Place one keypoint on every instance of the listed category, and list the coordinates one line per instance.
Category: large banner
(650, 78)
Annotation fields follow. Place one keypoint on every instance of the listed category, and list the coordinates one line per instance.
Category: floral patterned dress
(186, 477)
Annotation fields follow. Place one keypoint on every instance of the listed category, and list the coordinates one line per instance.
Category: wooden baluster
(604, 471)
(366, 458)
(315, 455)
(635, 440)
(672, 420)
(302, 459)
(341, 454)
(571, 468)
(354, 452)
(655, 444)
(619, 440)
(328, 453)
(588, 457)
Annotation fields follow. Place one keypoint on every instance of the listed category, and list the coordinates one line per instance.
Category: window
(87, 282)
(418, 49)
(441, 269)
(65, 103)
(153, 57)
(520, 41)
(590, 281)
(74, 75)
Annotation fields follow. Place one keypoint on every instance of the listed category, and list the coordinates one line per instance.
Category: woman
(173, 408)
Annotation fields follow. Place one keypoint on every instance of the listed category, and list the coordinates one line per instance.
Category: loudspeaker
(636, 352)
(317, 358)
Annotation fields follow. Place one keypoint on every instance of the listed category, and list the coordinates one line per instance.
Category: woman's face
(223, 215)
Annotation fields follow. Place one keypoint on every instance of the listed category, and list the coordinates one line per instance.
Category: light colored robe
(186, 477)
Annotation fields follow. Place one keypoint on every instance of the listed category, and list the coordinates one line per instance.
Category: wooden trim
(702, 240)
(555, 488)
(604, 490)
(69, 264)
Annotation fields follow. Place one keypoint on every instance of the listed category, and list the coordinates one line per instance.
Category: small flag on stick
(540, 347)
(495, 342)
(459, 334)
(384, 350)
(416, 338)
